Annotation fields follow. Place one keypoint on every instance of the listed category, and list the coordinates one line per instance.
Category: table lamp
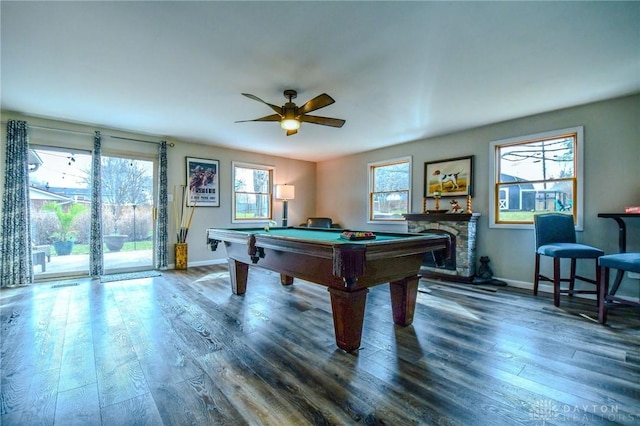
(285, 193)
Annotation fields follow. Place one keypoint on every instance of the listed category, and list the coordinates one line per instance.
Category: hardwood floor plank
(180, 349)
(587, 386)
(30, 396)
(195, 401)
(570, 407)
(78, 406)
(170, 363)
(303, 384)
(78, 367)
(250, 395)
(140, 410)
(117, 383)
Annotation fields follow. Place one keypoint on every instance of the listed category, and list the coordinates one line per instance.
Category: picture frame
(452, 177)
(203, 182)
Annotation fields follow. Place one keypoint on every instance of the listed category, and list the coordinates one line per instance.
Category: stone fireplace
(461, 228)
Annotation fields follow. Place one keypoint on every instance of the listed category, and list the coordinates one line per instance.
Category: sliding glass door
(60, 197)
(127, 213)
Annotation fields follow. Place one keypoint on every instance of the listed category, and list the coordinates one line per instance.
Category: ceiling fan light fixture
(291, 116)
(290, 124)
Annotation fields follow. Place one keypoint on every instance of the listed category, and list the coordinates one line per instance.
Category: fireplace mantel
(441, 216)
(462, 227)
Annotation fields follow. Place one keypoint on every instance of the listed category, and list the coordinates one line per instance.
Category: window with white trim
(389, 189)
(535, 174)
(252, 194)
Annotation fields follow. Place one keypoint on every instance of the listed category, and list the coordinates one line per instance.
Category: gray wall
(611, 170)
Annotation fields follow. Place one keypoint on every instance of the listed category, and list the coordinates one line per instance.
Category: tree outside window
(125, 183)
(252, 192)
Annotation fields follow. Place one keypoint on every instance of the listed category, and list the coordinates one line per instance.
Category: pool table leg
(286, 279)
(239, 272)
(348, 315)
(403, 299)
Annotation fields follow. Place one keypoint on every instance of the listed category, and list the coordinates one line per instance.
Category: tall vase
(181, 255)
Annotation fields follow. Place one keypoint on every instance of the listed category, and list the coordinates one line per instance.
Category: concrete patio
(79, 264)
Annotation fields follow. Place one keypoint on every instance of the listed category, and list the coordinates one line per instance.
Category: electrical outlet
(633, 275)
(170, 198)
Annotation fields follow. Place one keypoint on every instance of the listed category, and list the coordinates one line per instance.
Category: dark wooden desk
(622, 240)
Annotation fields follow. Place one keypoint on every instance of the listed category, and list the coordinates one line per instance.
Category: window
(252, 196)
(536, 174)
(389, 189)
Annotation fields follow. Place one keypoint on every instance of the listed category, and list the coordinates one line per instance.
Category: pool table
(348, 268)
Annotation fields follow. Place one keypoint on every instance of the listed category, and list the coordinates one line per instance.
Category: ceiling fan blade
(276, 108)
(318, 102)
(272, 117)
(325, 121)
(291, 132)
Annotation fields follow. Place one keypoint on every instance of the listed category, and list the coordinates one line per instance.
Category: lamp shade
(285, 192)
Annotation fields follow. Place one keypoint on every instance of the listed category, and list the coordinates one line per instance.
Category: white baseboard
(201, 263)
(548, 288)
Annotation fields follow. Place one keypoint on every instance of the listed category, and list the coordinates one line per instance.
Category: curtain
(162, 233)
(96, 262)
(16, 265)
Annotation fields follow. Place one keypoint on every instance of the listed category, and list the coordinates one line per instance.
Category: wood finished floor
(180, 349)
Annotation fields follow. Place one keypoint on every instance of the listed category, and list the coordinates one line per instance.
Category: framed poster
(203, 182)
(449, 178)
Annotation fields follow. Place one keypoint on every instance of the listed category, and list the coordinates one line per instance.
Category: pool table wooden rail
(347, 268)
(346, 264)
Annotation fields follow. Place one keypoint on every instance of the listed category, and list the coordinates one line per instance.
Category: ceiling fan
(290, 116)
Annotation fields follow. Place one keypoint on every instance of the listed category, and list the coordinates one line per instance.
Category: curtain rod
(77, 132)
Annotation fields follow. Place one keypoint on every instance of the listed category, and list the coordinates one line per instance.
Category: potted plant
(65, 236)
(114, 242)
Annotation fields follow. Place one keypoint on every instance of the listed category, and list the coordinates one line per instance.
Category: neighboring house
(75, 194)
(513, 197)
(34, 161)
(40, 197)
(524, 196)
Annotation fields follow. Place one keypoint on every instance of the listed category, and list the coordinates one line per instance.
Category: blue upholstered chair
(622, 262)
(556, 237)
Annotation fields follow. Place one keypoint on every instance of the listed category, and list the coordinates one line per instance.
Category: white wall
(612, 181)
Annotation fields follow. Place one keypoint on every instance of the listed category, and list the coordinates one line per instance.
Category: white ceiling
(399, 71)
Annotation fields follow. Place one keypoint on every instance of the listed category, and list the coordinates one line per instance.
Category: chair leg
(556, 281)
(536, 276)
(598, 283)
(572, 277)
(602, 296)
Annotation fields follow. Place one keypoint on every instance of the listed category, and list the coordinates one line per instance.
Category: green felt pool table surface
(321, 235)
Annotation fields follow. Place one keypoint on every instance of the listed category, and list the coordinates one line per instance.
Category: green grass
(522, 216)
(128, 246)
